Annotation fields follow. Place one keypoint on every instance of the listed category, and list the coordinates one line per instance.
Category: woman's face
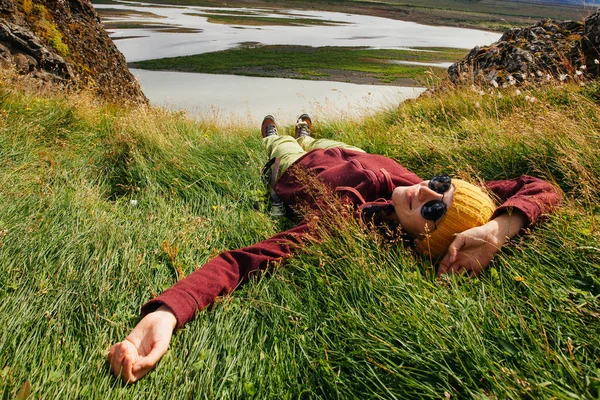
(408, 201)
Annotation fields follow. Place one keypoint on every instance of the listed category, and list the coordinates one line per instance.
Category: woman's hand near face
(473, 250)
(141, 350)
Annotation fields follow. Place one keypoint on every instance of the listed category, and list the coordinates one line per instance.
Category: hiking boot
(268, 127)
(303, 126)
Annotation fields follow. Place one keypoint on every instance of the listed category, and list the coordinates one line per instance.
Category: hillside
(495, 15)
(103, 207)
(567, 2)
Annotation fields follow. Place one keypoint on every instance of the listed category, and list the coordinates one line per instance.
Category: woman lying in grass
(446, 219)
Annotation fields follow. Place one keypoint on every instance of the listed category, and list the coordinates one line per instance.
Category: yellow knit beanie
(471, 207)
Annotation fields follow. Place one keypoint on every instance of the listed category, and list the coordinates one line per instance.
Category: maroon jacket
(364, 179)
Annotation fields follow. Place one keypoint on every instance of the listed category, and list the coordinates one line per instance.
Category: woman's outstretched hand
(470, 252)
(473, 250)
(135, 356)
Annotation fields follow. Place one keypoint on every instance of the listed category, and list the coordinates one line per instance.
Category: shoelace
(271, 130)
(303, 129)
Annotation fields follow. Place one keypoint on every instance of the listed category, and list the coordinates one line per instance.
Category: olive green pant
(288, 149)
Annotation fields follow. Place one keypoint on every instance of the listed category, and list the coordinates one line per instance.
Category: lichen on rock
(63, 41)
(547, 51)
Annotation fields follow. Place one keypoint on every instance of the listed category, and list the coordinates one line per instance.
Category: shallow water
(355, 30)
(247, 100)
(444, 65)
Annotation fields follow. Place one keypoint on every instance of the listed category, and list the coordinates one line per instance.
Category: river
(184, 30)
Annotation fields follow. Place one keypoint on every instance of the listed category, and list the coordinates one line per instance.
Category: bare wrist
(509, 225)
(166, 314)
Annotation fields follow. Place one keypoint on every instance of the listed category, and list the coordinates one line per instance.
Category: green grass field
(102, 208)
(330, 63)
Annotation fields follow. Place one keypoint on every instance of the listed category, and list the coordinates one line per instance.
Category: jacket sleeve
(223, 274)
(534, 197)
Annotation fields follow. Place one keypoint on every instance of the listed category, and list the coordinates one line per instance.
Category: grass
(255, 20)
(303, 62)
(349, 317)
(157, 27)
(507, 9)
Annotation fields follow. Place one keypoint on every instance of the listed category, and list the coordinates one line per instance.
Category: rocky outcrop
(547, 51)
(21, 46)
(64, 41)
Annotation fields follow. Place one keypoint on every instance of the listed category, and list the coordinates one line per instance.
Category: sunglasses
(435, 209)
